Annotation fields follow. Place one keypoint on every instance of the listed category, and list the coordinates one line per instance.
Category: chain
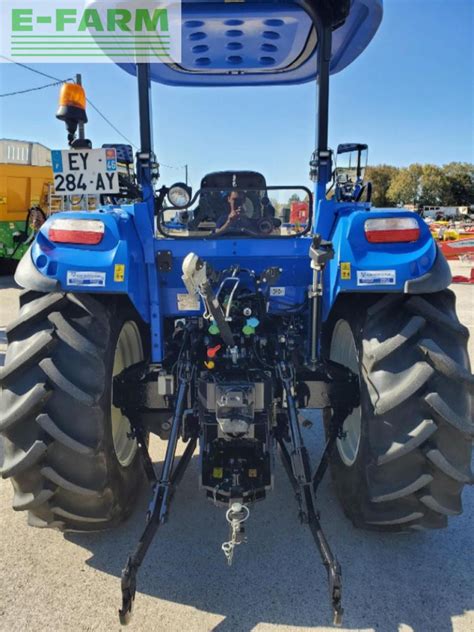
(235, 516)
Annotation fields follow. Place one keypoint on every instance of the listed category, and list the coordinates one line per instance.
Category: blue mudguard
(115, 265)
(360, 266)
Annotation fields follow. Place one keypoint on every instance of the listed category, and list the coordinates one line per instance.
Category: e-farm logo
(91, 30)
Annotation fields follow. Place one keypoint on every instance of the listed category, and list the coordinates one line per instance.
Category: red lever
(212, 351)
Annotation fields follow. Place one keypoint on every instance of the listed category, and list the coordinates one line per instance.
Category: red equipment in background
(299, 213)
(455, 248)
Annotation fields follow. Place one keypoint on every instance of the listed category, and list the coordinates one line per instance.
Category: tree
(459, 184)
(432, 186)
(405, 187)
(381, 177)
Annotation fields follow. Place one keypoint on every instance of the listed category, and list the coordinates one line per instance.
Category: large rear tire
(406, 453)
(67, 452)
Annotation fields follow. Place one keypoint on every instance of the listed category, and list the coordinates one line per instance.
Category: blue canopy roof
(269, 42)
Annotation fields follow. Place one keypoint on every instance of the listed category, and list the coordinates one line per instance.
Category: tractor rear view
(215, 317)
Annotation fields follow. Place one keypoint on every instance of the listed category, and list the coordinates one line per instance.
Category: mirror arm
(160, 199)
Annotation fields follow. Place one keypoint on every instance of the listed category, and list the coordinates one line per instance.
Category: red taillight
(383, 230)
(76, 231)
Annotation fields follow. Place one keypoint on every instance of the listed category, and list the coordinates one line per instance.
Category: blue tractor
(215, 317)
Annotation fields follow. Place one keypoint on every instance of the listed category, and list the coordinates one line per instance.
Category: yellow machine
(26, 181)
(21, 188)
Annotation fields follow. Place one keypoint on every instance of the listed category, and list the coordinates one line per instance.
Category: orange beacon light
(72, 107)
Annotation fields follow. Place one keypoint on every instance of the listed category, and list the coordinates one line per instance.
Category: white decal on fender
(376, 277)
(85, 278)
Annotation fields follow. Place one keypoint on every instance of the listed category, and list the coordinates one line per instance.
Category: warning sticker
(376, 277)
(187, 303)
(119, 272)
(85, 278)
(345, 271)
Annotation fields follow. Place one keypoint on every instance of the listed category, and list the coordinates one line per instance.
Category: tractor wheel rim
(344, 351)
(129, 350)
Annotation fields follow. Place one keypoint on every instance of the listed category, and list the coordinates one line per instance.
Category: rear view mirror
(351, 162)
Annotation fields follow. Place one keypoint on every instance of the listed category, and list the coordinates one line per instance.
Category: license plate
(85, 171)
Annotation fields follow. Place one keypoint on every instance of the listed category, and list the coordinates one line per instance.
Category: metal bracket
(138, 386)
(320, 252)
(330, 384)
(271, 275)
(320, 158)
(164, 259)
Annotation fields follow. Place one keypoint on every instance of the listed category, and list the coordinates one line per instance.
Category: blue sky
(410, 96)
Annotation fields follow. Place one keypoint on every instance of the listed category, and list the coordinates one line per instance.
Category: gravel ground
(423, 582)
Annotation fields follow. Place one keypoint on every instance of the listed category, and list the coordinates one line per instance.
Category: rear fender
(359, 266)
(115, 266)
